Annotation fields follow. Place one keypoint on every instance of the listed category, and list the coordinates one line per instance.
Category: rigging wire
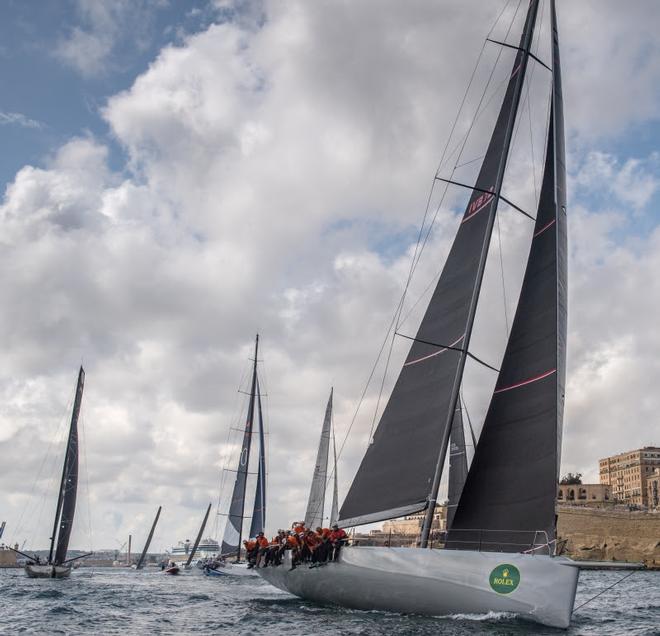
(51, 460)
(418, 250)
(623, 578)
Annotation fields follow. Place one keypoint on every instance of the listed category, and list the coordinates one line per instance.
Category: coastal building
(653, 490)
(584, 494)
(627, 474)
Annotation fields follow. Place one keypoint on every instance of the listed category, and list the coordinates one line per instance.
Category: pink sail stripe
(524, 382)
(545, 227)
(436, 353)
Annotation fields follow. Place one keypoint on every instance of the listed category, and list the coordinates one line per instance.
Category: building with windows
(653, 490)
(584, 494)
(627, 474)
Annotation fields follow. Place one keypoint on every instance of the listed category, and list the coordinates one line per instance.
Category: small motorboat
(229, 569)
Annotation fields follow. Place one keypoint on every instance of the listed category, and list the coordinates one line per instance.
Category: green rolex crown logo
(504, 578)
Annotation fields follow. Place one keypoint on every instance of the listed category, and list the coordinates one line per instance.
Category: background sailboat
(402, 468)
(314, 516)
(57, 565)
(233, 534)
(140, 564)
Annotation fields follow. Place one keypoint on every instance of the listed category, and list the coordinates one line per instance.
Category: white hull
(435, 582)
(48, 571)
(232, 569)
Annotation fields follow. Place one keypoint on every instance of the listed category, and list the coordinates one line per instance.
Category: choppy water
(119, 601)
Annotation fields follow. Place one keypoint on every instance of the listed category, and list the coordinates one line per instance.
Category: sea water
(124, 601)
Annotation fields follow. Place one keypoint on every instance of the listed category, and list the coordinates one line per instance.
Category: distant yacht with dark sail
(314, 516)
(229, 562)
(501, 551)
(57, 566)
(143, 555)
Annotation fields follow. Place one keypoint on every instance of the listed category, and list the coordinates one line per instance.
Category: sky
(178, 177)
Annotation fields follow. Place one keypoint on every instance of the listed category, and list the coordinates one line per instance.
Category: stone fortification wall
(610, 535)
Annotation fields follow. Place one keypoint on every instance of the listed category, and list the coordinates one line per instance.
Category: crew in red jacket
(338, 538)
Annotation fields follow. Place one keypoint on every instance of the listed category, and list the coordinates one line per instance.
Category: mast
(231, 542)
(519, 73)
(199, 538)
(143, 556)
(520, 443)
(66, 499)
(334, 510)
(258, 521)
(316, 501)
(128, 553)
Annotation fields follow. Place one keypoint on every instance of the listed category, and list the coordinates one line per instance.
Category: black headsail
(143, 556)
(512, 483)
(66, 500)
(401, 470)
(234, 529)
(258, 522)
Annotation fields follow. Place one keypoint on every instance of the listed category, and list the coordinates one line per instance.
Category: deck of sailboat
(435, 582)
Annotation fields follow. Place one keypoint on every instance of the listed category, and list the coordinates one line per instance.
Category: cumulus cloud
(276, 172)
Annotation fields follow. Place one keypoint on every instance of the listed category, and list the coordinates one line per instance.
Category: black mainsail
(258, 522)
(316, 501)
(512, 483)
(66, 500)
(231, 542)
(143, 555)
(401, 470)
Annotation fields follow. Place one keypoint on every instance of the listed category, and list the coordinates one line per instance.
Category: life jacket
(312, 540)
(262, 542)
(250, 545)
(299, 528)
(338, 535)
(292, 540)
(325, 533)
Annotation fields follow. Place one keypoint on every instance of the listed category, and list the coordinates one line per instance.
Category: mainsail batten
(401, 470)
(520, 443)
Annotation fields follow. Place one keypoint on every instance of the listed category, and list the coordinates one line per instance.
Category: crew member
(338, 538)
(251, 550)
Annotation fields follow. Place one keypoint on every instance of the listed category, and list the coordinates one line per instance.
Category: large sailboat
(500, 552)
(57, 566)
(230, 551)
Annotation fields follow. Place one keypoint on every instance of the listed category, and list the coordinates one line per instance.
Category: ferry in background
(207, 549)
